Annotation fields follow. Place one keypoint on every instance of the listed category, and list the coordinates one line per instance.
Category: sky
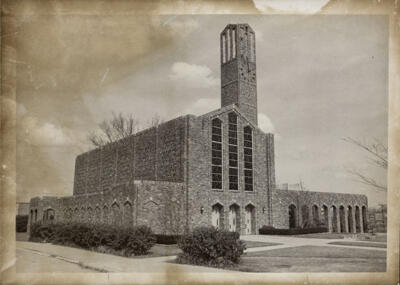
(320, 79)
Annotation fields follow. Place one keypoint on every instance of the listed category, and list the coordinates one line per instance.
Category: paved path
(45, 257)
(37, 262)
(78, 259)
(289, 241)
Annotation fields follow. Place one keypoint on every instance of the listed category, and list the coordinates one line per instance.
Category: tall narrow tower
(238, 69)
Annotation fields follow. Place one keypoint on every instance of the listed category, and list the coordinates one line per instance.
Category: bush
(269, 230)
(167, 239)
(212, 247)
(123, 241)
(21, 223)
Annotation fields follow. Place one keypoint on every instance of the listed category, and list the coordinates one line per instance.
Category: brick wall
(153, 154)
(160, 205)
(199, 181)
(282, 199)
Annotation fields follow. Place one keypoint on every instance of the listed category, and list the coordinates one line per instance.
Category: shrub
(212, 247)
(124, 241)
(167, 239)
(21, 223)
(269, 230)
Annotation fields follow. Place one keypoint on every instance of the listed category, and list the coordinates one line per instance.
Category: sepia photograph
(204, 143)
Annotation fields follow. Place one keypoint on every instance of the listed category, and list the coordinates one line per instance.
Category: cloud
(265, 123)
(181, 27)
(43, 134)
(195, 76)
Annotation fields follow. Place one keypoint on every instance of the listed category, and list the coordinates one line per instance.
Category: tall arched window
(216, 154)
(248, 158)
(233, 151)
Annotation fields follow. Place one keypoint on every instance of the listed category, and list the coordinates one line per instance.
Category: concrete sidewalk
(110, 263)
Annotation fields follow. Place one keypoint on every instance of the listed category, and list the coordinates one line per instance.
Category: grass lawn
(161, 250)
(314, 259)
(381, 237)
(322, 235)
(360, 243)
(168, 250)
(250, 244)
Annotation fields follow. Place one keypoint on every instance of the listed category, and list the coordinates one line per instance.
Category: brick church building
(215, 169)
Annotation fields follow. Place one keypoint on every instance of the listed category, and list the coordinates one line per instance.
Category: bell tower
(238, 69)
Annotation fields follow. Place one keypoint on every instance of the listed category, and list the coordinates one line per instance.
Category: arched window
(116, 214)
(128, 214)
(97, 214)
(89, 214)
(216, 156)
(223, 48)
(292, 216)
(105, 219)
(233, 151)
(315, 216)
(248, 158)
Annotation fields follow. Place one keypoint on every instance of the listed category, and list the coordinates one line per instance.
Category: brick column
(346, 220)
(353, 216)
(310, 216)
(339, 229)
(300, 216)
(361, 221)
(330, 215)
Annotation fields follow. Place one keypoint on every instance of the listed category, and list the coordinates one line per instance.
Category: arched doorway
(292, 216)
(350, 221)
(234, 218)
(364, 218)
(342, 218)
(49, 216)
(217, 216)
(325, 216)
(334, 220)
(315, 215)
(250, 219)
(357, 215)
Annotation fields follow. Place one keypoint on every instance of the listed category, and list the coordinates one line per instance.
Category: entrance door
(249, 219)
(232, 219)
(247, 215)
(216, 217)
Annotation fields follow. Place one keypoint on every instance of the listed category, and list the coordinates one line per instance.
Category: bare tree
(377, 153)
(118, 127)
(156, 120)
